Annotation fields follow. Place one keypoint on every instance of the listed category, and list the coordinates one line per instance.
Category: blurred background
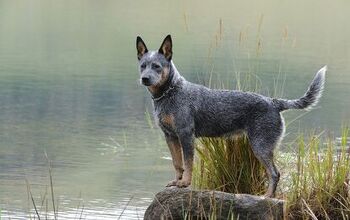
(69, 88)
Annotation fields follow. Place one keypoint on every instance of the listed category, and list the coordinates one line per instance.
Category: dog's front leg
(176, 154)
(186, 137)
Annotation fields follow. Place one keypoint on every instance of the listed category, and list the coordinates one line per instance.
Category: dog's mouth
(146, 83)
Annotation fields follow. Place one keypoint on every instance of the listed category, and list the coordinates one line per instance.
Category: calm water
(69, 87)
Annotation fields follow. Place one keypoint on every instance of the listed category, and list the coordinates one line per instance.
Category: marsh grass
(315, 179)
(319, 186)
(41, 209)
(229, 165)
(40, 206)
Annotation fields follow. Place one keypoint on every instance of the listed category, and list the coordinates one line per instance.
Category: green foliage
(229, 165)
(315, 180)
(320, 181)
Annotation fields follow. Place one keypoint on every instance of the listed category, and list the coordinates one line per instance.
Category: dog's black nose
(145, 81)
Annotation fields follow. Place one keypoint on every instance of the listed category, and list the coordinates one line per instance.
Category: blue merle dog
(185, 110)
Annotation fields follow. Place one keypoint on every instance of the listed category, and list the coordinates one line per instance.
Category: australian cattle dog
(185, 110)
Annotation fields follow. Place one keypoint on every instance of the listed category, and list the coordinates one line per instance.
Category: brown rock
(179, 203)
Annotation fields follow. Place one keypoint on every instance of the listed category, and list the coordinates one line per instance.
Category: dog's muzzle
(146, 81)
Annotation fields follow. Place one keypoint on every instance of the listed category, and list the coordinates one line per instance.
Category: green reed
(229, 165)
(315, 179)
(319, 186)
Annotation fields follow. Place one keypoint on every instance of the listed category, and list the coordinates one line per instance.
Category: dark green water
(69, 87)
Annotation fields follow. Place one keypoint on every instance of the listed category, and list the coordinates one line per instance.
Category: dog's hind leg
(266, 158)
(176, 154)
(263, 142)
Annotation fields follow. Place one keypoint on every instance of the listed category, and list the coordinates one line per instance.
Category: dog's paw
(172, 183)
(183, 183)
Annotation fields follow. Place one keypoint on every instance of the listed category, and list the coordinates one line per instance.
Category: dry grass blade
(313, 216)
(81, 213)
(32, 198)
(51, 187)
(126, 205)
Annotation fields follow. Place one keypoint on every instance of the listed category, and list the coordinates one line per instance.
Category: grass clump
(229, 165)
(315, 178)
(319, 181)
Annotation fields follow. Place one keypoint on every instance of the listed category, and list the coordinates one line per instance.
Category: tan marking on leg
(187, 174)
(168, 120)
(176, 154)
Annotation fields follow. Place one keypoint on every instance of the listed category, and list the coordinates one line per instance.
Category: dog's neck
(173, 80)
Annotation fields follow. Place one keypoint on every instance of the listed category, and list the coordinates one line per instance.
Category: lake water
(69, 88)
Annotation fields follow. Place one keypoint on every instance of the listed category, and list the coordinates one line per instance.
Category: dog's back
(220, 112)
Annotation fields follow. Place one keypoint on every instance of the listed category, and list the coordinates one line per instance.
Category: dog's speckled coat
(185, 110)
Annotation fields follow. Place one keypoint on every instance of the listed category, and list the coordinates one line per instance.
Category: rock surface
(179, 203)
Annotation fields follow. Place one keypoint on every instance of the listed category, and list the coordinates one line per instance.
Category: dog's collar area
(165, 93)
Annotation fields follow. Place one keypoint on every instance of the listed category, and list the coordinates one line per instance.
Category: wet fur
(185, 110)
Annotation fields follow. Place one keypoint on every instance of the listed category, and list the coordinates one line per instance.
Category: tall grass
(316, 176)
(39, 213)
(42, 209)
(229, 165)
(319, 186)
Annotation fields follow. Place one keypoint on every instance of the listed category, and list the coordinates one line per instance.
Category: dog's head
(154, 66)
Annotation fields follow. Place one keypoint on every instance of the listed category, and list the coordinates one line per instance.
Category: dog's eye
(155, 66)
(143, 66)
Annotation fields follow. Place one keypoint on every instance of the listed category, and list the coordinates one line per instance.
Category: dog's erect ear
(141, 47)
(167, 48)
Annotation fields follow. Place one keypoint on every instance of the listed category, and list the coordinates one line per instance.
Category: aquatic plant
(229, 165)
(316, 177)
(319, 187)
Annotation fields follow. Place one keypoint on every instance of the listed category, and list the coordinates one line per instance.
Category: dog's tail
(310, 98)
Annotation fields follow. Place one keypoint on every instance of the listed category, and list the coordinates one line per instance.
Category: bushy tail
(310, 98)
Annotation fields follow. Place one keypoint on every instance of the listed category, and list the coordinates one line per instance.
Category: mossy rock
(180, 203)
